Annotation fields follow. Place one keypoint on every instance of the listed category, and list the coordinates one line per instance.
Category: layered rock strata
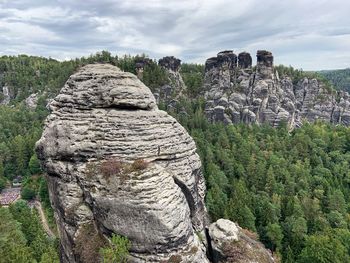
(117, 164)
(235, 92)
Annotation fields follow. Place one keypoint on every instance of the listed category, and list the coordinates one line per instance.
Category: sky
(306, 34)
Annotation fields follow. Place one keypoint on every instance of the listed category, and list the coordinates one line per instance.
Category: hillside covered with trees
(22, 237)
(339, 78)
(290, 188)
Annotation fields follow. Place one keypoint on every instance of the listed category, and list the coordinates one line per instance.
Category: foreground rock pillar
(117, 164)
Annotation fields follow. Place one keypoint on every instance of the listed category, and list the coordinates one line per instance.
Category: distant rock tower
(170, 63)
(244, 60)
(264, 64)
(170, 92)
(260, 96)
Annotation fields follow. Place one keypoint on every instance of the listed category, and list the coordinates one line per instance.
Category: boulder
(232, 244)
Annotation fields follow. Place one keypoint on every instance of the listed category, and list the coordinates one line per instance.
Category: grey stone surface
(244, 60)
(176, 86)
(6, 97)
(222, 231)
(104, 116)
(232, 244)
(260, 95)
(170, 62)
(32, 101)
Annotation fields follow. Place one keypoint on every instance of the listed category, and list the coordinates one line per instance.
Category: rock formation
(5, 95)
(32, 101)
(175, 88)
(117, 164)
(140, 64)
(232, 244)
(244, 60)
(234, 92)
(170, 63)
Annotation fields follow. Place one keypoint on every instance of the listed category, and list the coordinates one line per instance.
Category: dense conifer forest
(339, 78)
(291, 188)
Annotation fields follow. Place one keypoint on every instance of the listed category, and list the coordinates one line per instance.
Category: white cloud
(307, 34)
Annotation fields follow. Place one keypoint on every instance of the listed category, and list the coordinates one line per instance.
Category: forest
(340, 78)
(292, 189)
(22, 237)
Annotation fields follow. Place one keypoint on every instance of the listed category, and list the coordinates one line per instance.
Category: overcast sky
(306, 34)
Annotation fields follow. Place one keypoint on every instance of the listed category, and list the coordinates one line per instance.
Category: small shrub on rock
(111, 167)
(175, 259)
(88, 243)
(117, 251)
(139, 164)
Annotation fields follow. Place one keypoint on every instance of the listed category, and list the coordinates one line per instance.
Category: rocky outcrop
(32, 101)
(170, 63)
(232, 244)
(140, 64)
(117, 164)
(170, 92)
(244, 60)
(264, 66)
(234, 92)
(5, 97)
(174, 86)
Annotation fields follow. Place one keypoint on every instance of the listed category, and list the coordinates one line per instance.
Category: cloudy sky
(306, 34)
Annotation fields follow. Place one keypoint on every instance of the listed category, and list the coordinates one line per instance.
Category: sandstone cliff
(237, 92)
(117, 164)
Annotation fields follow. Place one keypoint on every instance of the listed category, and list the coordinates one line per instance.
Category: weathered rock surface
(234, 92)
(232, 244)
(244, 60)
(140, 64)
(5, 95)
(32, 101)
(170, 63)
(104, 122)
(176, 87)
